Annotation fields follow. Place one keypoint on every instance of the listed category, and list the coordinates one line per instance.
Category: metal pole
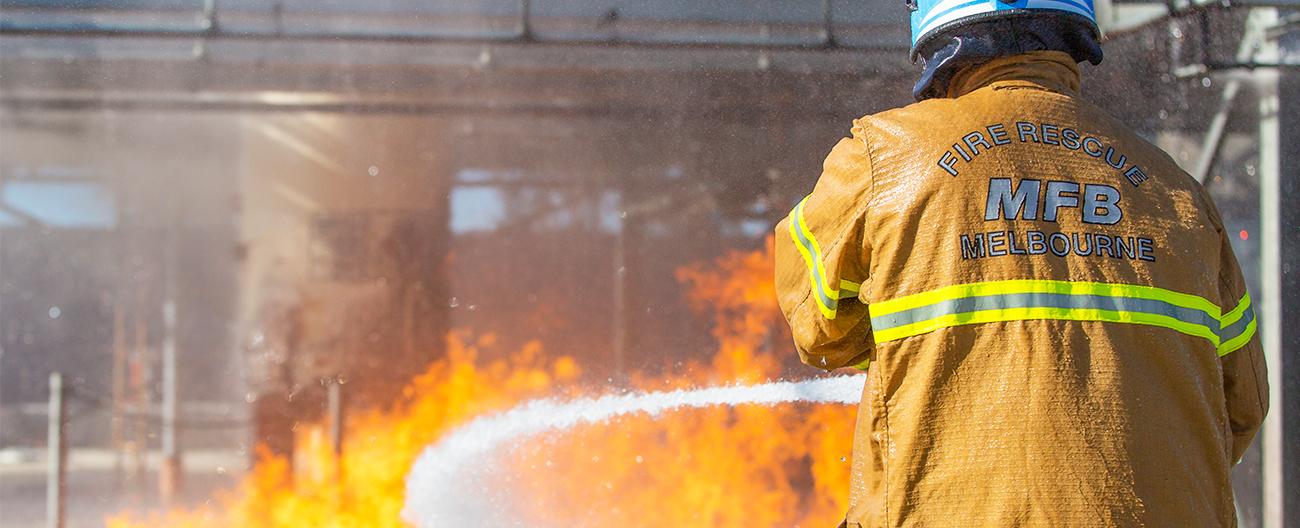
(56, 453)
(3, 333)
(828, 24)
(525, 20)
(2, 370)
(335, 397)
(117, 433)
(619, 337)
(1270, 320)
(169, 478)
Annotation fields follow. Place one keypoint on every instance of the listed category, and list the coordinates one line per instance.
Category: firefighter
(1054, 329)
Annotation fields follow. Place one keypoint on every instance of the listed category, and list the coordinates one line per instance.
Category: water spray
(446, 487)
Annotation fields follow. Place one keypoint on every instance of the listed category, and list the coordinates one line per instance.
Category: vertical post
(116, 426)
(139, 392)
(3, 333)
(56, 453)
(210, 15)
(1270, 319)
(525, 20)
(619, 331)
(2, 371)
(335, 402)
(828, 31)
(169, 477)
(1287, 258)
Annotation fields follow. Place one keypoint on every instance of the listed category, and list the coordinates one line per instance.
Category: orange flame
(745, 466)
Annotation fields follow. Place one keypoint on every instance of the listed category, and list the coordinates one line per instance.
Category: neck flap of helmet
(981, 41)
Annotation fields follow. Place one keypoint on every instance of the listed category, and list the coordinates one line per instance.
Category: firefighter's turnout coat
(1054, 328)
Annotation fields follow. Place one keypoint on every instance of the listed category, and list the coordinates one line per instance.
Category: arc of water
(442, 488)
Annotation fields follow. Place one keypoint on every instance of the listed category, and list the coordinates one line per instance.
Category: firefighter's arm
(821, 263)
(1245, 376)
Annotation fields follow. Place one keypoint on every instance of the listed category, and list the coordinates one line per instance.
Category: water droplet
(454, 302)
(373, 171)
(250, 397)
(1205, 81)
(639, 459)
(55, 312)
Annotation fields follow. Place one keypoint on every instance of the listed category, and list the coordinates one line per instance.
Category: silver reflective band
(1046, 300)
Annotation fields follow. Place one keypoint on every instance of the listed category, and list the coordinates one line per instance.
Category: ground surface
(95, 489)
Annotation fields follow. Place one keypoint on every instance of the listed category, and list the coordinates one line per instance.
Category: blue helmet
(932, 17)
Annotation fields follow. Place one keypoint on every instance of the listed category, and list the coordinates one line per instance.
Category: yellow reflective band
(826, 304)
(815, 250)
(1039, 313)
(1017, 300)
(864, 365)
(1233, 334)
(826, 296)
(979, 289)
(1235, 343)
(849, 289)
(1235, 315)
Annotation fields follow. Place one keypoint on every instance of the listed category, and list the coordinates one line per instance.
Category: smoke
(447, 486)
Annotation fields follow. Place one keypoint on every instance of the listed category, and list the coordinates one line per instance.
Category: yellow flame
(717, 467)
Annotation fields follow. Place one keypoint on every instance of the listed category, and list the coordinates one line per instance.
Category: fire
(744, 466)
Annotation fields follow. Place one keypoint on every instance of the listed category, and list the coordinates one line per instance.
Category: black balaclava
(980, 41)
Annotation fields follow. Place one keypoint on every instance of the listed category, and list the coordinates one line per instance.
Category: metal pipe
(525, 20)
(1173, 13)
(216, 32)
(117, 6)
(1252, 65)
(2, 346)
(169, 480)
(210, 15)
(335, 403)
(619, 330)
(1270, 269)
(134, 102)
(828, 27)
(56, 454)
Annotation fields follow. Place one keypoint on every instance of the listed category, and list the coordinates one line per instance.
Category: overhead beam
(216, 32)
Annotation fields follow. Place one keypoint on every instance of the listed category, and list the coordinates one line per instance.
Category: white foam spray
(446, 486)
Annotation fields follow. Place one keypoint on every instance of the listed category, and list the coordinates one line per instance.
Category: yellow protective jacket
(1054, 327)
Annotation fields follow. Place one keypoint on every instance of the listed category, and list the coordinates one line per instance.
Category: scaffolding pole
(57, 454)
(334, 398)
(170, 476)
(1271, 271)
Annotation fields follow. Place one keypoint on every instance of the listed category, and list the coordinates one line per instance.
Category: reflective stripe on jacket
(1054, 327)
